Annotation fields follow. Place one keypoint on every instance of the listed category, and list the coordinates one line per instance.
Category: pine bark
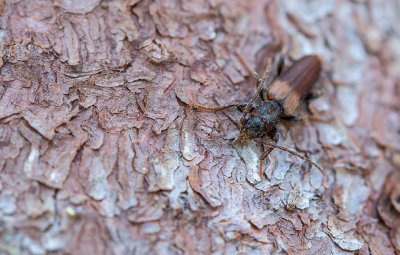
(102, 153)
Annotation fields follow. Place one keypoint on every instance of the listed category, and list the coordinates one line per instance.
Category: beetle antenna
(291, 152)
(259, 84)
(213, 109)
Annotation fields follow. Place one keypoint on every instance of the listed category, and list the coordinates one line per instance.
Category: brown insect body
(283, 97)
(294, 84)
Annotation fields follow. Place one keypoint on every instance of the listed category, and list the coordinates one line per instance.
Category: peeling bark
(101, 153)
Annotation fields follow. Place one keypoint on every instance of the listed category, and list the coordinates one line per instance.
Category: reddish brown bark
(101, 154)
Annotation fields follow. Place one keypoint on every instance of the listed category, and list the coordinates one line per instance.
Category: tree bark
(102, 153)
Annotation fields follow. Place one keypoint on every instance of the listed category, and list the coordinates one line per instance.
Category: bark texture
(100, 153)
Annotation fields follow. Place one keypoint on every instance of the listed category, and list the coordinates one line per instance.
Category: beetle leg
(280, 65)
(313, 95)
(281, 62)
(275, 138)
(303, 118)
(293, 118)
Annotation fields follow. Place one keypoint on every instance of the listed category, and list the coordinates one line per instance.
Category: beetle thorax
(271, 113)
(264, 119)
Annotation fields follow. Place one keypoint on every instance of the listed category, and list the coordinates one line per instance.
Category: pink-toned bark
(100, 152)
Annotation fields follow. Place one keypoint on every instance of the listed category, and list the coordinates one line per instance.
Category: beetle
(285, 91)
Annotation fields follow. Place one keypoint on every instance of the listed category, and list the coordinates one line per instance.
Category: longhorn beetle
(284, 93)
